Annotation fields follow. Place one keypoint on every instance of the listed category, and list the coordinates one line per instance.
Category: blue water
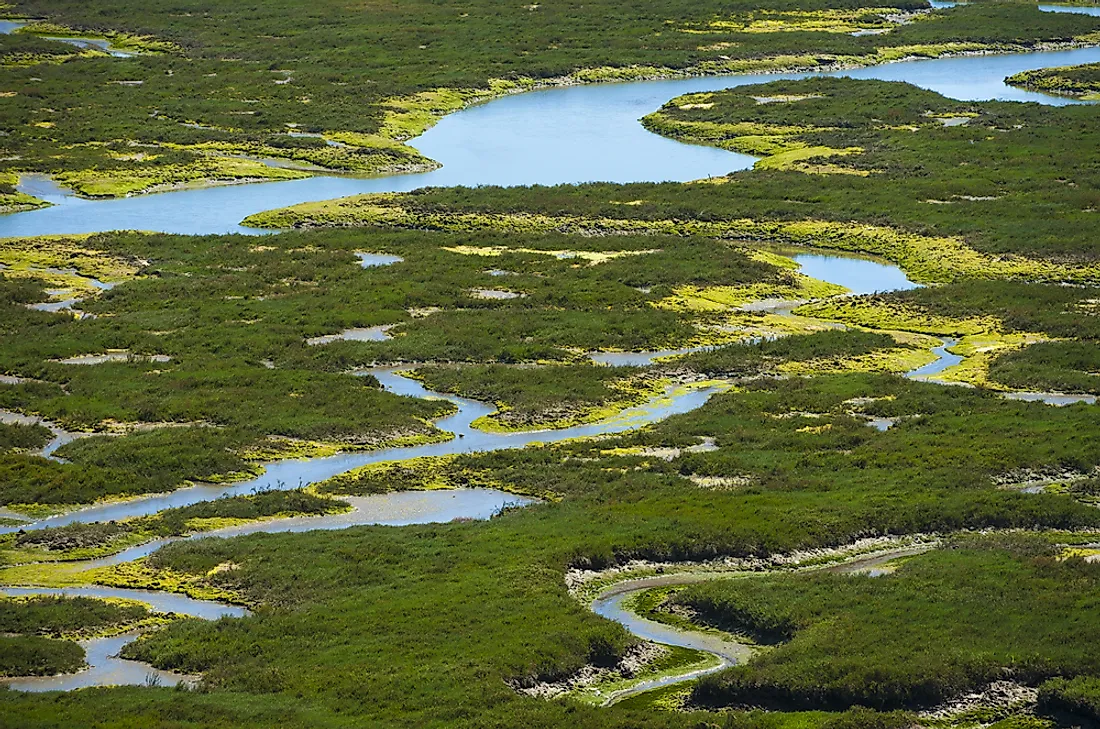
(945, 360)
(292, 474)
(562, 135)
(858, 275)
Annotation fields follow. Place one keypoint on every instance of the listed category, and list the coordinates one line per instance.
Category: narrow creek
(291, 474)
(612, 604)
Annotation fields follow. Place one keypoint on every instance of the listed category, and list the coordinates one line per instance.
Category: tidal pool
(357, 334)
(858, 274)
(373, 260)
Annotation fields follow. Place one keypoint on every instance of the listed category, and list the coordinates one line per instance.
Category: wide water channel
(560, 135)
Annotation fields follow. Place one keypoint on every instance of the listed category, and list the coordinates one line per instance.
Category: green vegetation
(1051, 366)
(219, 310)
(65, 262)
(415, 474)
(208, 87)
(24, 49)
(13, 201)
(1005, 195)
(927, 259)
(117, 41)
(986, 228)
(1001, 328)
(20, 437)
(239, 383)
(945, 623)
(87, 540)
(385, 598)
(1080, 696)
(67, 616)
(548, 396)
(121, 466)
(37, 631)
(501, 294)
(766, 356)
(673, 661)
(1081, 81)
(28, 655)
(104, 183)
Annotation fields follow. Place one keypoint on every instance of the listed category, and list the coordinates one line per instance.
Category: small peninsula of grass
(1082, 81)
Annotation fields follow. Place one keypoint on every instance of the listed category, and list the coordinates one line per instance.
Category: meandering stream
(611, 604)
(290, 474)
(561, 135)
(105, 668)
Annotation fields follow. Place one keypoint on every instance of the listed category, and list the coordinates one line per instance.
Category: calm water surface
(292, 474)
(102, 44)
(563, 135)
(105, 668)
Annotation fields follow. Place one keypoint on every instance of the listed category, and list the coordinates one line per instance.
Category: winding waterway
(554, 136)
(561, 135)
(290, 474)
(105, 668)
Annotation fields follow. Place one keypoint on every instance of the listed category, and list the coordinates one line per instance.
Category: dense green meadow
(482, 603)
(945, 623)
(29, 655)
